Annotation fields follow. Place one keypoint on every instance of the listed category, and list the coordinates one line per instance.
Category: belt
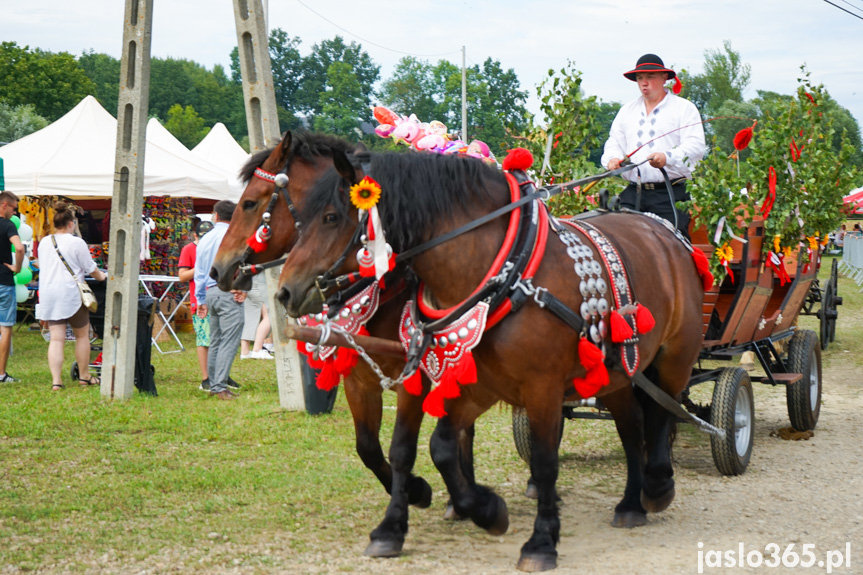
(659, 185)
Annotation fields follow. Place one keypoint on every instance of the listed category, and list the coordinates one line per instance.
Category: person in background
(225, 308)
(186, 273)
(257, 325)
(59, 299)
(11, 265)
(668, 131)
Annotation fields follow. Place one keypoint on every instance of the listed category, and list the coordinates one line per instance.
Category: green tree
(499, 110)
(604, 116)
(104, 71)
(342, 104)
(725, 79)
(412, 89)
(186, 125)
(52, 83)
(19, 121)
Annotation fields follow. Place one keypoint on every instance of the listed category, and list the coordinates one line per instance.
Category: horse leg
(469, 499)
(658, 489)
(465, 453)
(387, 539)
(628, 418)
(539, 553)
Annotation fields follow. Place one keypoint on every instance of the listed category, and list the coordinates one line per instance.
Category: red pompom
(589, 354)
(345, 360)
(256, 245)
(702, 266)
(742, 139)
(465, 370)
(644, 321)
(594, 380)
(678, 85)
(620, 328)
(517, 159)
(414, 384)
(433, 403)
(328, 378)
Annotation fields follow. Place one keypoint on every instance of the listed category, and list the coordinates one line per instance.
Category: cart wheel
(74, 371)
(733, 410)
(804, 397)
(521, 432)
(835, 300)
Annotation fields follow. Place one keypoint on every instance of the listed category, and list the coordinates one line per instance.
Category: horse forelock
(305, 145)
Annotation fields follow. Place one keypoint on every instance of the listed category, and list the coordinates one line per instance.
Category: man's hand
(15, 269)
(614, 163)
(239, 295)
(657, 159)
(202, 310)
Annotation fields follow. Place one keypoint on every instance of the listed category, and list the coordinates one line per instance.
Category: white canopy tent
(74, 157)
(220, 149)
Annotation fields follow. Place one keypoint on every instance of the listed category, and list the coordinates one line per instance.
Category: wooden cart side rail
(373, 345)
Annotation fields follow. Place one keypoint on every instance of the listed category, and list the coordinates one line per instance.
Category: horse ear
(344, 166)
(286, 143)
(360, 148)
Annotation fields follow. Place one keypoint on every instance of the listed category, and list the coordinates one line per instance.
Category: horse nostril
(284, 296)
(214, 273)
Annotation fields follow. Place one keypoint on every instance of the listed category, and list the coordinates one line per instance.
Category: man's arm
(19, 254)
(614, 153)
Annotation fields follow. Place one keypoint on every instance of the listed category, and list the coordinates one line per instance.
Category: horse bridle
(263, 232)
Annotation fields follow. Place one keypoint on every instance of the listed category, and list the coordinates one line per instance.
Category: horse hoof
(450, 513)
(531, 492)
(381, 548)
(628, 519)
(501, 520)
(655, 505)
(420, 494)
(537, 562)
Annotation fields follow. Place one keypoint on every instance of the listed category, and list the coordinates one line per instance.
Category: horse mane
(419, 191)
(305, 145)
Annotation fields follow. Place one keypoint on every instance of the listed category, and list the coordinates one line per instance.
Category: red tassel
(702, 266)
(742, 139)
(433, 403)
(328, 378)
(345, 360)
(256, 245)
(465, 371)
(678, 85)
(644, 321)
(448, 385)
(589, 354)
(518, 159)
(620, 328)
(414, 384)
(594, 380)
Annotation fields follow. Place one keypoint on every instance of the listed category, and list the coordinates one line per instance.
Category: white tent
(74, 157)
(221, 149)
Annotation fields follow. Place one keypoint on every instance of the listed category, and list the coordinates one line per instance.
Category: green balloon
(16, 220)
(24, 277)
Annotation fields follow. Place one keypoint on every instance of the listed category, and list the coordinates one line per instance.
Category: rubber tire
(728, 456)
(521, 432)
(824, 323)
(74, 372)
(803, 351)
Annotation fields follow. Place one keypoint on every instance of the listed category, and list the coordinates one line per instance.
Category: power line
(852, 5)
(321, 16)
(832, 4)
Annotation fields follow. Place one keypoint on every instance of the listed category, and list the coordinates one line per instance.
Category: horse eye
(249, 205)
(330, 218)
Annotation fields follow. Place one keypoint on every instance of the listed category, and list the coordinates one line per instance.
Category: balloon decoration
(24, 277)
(25, 232)
(427, 137)
(21, 293)
(16, 220)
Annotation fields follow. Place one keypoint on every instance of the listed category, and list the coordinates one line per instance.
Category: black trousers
(657, 202)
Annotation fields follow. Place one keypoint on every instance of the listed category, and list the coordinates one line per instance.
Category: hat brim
(644, 68)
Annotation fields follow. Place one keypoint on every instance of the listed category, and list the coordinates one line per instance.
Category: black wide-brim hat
(649, 63)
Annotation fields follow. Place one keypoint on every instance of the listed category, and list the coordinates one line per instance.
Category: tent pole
(121, 301)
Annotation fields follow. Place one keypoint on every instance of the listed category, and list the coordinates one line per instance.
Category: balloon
(16, 220)
(21, 293)
(24, 277)
(25, 232)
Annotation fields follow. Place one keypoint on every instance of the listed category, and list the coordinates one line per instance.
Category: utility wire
(321, 16)
(832, 4)
(852, 5)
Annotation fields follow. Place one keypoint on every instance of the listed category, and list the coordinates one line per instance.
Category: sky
(604, 38)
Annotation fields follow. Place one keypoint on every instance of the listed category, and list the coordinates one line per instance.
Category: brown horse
(531, 356)
(303, 157)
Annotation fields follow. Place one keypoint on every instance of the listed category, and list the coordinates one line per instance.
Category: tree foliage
(186, 125)
(19, 121)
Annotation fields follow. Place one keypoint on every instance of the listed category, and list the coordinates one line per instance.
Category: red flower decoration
(742, 139)
(795, 151)
(811, 99)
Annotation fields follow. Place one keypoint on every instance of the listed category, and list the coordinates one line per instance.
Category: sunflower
(365, 194)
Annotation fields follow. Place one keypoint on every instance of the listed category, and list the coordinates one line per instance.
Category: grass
(82, 478)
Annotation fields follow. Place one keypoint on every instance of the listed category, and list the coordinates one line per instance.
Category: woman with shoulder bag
(64, 259)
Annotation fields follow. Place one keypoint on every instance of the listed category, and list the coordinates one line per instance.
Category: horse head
(330, 225)
(302, 157)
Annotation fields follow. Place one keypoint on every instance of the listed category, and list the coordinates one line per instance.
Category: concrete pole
(263, 123)
(463, 97)
(121, 301)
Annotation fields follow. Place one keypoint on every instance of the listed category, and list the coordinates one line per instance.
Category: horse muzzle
(300, 301)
